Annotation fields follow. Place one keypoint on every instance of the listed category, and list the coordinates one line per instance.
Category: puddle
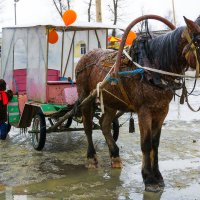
(58, 172)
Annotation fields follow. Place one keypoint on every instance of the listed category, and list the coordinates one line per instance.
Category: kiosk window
(83, 49)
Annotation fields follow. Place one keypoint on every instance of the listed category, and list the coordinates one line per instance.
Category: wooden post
(98, 11)
(174, 14)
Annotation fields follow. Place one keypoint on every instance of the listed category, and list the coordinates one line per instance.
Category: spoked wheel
(39, 132)
(115, 129)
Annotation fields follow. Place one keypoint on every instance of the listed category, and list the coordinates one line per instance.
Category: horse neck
(166, 51)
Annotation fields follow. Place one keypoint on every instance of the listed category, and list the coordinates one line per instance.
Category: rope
(109, 72)
(156, 70)
(100, 94)
(115, 96)
(109, 78)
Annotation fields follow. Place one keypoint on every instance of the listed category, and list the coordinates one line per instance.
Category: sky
(43, 11)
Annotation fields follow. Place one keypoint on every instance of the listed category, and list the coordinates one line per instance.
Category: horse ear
(194, 27)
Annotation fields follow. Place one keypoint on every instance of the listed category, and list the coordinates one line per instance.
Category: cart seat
(20, 75)
(19, 81)
(57, 82)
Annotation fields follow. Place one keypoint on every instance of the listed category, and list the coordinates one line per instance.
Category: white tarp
(70, 59)
(33, 57)
(26, 48)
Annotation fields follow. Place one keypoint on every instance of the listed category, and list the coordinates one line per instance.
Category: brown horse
(145, 95)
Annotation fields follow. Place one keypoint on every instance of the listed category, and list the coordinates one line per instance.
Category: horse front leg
(106, 122)
(156, 132)
(87, 114)
(145, 124)
(154, 155)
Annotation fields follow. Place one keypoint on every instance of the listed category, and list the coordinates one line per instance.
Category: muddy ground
(58, 172)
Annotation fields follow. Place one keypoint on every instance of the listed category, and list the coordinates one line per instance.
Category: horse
(144, 94)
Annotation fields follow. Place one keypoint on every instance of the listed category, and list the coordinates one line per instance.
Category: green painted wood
(13, 110)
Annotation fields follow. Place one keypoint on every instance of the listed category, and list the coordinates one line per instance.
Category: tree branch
(57, 8)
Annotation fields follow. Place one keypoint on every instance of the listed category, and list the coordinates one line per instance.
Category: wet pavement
(58, 172)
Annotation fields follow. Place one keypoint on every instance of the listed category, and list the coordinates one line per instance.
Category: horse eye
(198, 37)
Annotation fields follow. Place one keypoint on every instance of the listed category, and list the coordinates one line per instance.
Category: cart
(41, 75)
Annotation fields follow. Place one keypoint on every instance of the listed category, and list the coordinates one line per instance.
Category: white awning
(74, 26)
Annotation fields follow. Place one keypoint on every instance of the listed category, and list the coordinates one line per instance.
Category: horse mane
(198, 20)
(165, 51)
(162, 52)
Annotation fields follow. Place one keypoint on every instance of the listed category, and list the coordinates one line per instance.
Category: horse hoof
(92, 163)
(153, 188)
(161, 184)
(116, 163)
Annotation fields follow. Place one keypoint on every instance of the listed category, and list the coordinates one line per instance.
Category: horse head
(191, 51)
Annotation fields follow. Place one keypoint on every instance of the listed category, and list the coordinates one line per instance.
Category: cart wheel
(39, 138)
(115, 128)
(68, 123)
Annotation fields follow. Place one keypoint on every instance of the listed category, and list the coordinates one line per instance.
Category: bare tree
(62, 5)
(116, 9)
(89, 10)
(170, 17)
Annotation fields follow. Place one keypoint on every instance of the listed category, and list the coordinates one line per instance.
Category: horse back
(92, 68)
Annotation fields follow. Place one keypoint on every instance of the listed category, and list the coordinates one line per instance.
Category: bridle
(193, 47)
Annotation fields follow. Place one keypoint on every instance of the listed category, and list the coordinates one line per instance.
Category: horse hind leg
(106, 123)
(87, 114)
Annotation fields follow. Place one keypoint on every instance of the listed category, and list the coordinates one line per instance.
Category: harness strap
(124, 94)
(193, 49)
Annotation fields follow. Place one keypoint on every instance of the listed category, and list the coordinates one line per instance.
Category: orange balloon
(69, 17)
(53, 36)
(131, 36)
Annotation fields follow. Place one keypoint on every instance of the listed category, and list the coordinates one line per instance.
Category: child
(4, 98)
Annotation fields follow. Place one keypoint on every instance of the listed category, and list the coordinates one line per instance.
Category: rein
(185, 93)
(157, 70)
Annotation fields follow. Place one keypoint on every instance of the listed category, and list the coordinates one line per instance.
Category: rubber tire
(39, 139)
(115, 129)
(69, 122)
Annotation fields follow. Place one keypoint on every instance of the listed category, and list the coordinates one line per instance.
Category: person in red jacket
(5, 96)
